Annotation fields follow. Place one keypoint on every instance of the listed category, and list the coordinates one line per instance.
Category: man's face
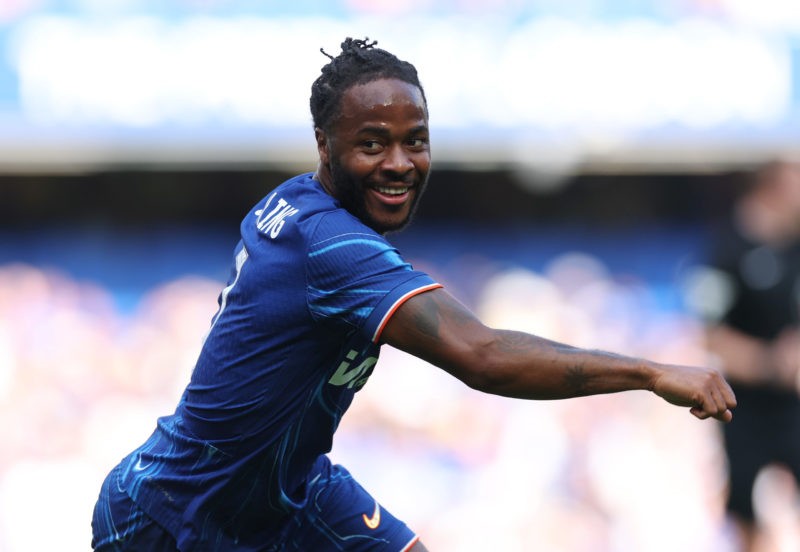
(377, 153)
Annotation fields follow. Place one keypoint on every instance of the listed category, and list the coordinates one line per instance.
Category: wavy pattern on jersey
(369, 241)
(334, 294)
(160, 468)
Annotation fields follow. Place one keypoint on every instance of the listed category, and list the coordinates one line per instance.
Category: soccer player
(314, 292)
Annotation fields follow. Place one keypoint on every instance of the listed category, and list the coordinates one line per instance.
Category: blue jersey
(296, 335)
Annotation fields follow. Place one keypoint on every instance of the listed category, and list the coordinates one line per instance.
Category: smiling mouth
(392, 196)
(392, 191)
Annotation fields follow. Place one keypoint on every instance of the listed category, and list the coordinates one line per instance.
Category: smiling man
(314, 292)
(376, 161)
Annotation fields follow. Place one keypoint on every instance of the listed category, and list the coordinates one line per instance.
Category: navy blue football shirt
(296, 335)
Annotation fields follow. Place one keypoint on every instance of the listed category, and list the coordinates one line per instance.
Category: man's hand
(703, 390)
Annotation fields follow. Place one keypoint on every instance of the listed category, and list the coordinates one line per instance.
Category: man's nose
(397, 161)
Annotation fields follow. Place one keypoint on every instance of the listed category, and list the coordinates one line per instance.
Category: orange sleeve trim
(385, 320)
(414, 541)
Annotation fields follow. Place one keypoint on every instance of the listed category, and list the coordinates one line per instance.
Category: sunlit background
(581, 152)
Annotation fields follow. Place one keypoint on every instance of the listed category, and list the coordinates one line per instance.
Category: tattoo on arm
(520, 342)
(575, 379)
(432, 311)
(426, 317)
(515, 342)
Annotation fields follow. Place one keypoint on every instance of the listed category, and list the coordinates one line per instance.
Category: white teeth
(392, 191)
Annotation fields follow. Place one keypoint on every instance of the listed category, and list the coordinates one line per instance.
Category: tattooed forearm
(575, 379)
(442, 331)
(571, 380)
(515, 342)
(519, 342)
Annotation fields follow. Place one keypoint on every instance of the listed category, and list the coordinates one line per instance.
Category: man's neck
(323, 176)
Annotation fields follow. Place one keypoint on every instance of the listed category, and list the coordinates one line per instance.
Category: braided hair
(358, 63)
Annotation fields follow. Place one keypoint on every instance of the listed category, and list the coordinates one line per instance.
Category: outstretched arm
(437, 328)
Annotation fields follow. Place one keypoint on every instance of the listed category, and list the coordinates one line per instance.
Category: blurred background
(582, 151)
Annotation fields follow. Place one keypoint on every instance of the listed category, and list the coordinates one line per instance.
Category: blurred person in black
(757, 335)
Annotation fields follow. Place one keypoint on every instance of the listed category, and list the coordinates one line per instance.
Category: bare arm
(437, 328)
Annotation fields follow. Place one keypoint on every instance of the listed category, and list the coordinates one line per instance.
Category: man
(315, 291)
(757, 337)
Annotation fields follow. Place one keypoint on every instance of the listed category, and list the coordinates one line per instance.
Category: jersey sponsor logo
(271, 222)
(353, 377)
(375, 520)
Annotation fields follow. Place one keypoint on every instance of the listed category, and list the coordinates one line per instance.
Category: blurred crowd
(79, 383)
(82, 382)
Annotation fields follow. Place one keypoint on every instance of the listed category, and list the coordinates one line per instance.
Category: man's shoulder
(307, 194)
(320, 215)
(301, 209)
(302, 192)
(295, 202)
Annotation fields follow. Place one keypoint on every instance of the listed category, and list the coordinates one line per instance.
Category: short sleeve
(357, 278)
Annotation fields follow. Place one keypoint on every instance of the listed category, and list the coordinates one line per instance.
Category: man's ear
(322, 146)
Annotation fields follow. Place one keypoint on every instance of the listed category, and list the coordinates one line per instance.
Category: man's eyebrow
(384, 132)
(379, 130)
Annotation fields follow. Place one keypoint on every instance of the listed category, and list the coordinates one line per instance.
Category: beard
(351, 194)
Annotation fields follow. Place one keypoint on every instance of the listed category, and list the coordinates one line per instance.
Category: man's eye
(371, 145)
(417, 142)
